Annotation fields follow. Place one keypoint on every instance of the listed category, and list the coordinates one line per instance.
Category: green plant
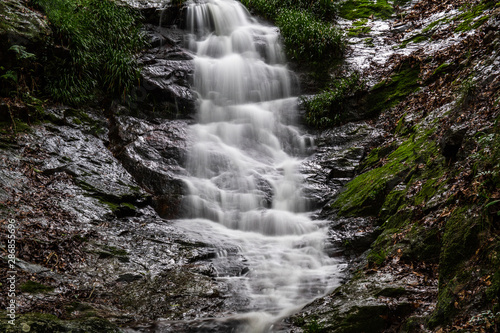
(101, 39)
(308, 39)
(328, 108)
(325, 10)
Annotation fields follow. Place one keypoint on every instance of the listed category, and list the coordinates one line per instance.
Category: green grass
(100, 39)
(325, 10)
(308, 39)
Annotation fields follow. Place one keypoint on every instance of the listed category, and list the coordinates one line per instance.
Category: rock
(92, 166)
(154, 154)
(368, 303)
(165, 78)
(338, 154)
(19, 25)
(157, 12)
(451, 141)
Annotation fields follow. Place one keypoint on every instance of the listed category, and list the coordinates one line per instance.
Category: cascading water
(243, 184)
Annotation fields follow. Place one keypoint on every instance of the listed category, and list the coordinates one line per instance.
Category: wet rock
(338, 154)
(154, 154)
(20, 25)
(92, 166)
(38, 322)
(366, 303)
(157, 12)
(354, 235)
(166, 68)
(166, 77)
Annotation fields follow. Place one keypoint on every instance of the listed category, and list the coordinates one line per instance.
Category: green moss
(358, 30)
(423, 245)
(115, 251)
(360, 22)
(33, 287)
(471, 17)
(399, 218)
(112, 252)
(377, 258)
(18, 126)
(328, 108)
(367, 319)
(375, 156)
(389, 93)
(415, 39)
(365, 194)
(441, 68)
(391, 292)
(369, 42)
(362, 9)
(459, 242)
(433, 24)
(313, 327)
(427, 191)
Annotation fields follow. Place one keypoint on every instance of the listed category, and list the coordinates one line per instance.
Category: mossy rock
(389, 93)
(366, 194)
(424, 245)
(19, 25)
(392, 292)
(460, 240)
(33, 287)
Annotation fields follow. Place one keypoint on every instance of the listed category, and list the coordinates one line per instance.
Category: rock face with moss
(432, 185)
(20, 26)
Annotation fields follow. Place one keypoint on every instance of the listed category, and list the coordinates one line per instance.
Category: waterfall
(244, 187)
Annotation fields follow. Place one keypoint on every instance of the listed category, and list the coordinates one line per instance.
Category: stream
(245, 190)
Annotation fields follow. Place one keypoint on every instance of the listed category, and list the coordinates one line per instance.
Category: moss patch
(33, 287)
(414, 39)
(360, 9)
(389, 93)
(471, 17)
(366, 194)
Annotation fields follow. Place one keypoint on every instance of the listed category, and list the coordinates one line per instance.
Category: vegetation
(308, 39)
(471, 17)
(325, 10)
(35, 287)
(98, 40)
(388, 93)
(329, 107)
(362, 9)
(308, 33)
(359, 28)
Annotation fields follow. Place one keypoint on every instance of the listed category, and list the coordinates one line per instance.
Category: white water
(244, 187)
